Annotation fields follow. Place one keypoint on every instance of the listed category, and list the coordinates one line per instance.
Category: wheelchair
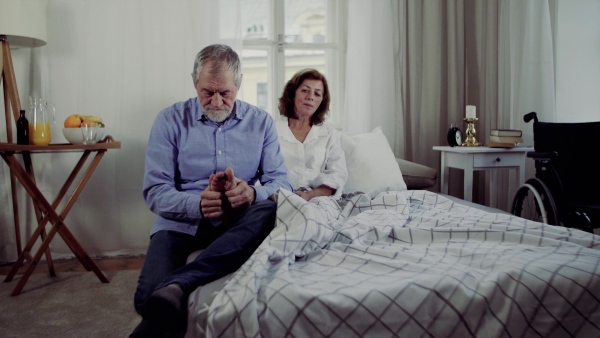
(566, 188)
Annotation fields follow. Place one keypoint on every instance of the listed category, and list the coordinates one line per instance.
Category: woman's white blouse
(318, 161)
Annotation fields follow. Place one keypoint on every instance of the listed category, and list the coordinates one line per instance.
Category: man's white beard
(217, 115)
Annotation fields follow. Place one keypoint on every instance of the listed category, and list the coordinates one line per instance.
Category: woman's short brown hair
(286, 101)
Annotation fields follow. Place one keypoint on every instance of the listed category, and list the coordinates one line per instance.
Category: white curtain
(417, 90)
(123, 61)
(526, 69)
(494, 54)
(370, 84)
(526, 63)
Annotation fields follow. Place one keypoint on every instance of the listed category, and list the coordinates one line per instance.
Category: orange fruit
(73, 121)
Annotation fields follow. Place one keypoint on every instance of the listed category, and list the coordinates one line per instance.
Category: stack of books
(505, 138)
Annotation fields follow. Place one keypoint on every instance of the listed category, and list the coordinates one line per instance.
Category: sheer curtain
(123, 61)
(494, 54)
(526, 69)
(369, 87)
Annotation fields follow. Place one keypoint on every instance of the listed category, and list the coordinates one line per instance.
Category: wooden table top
(106, 143)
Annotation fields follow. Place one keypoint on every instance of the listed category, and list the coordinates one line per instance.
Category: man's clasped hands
(225, 192)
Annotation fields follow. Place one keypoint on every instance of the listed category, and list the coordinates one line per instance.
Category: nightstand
(470, 159)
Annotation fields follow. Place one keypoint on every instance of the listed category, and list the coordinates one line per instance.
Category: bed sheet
(411, 263)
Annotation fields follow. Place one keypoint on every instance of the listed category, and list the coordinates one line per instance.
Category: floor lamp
(22, 25)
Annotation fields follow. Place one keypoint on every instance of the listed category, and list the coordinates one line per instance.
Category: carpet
(72, 304)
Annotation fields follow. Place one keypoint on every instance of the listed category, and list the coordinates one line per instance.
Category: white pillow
(372, 166)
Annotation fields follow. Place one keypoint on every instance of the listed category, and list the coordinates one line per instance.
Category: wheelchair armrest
(542, 155)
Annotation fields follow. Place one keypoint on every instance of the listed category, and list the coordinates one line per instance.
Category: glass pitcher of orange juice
(41, 114)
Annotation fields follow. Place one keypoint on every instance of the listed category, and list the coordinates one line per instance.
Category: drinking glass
(89, 133)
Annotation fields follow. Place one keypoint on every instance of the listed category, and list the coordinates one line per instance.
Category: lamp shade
(23, 22)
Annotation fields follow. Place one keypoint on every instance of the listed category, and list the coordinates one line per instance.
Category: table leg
(445, 173)
(521, 172)
(36, 259)
(515, 179)
(468, 179)
(86, 260)
(72, 243)
(54, 218)
(42, 221)
(13, 190)
(38, 212)
(493, 184)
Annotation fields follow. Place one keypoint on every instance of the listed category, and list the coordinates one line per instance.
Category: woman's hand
(307, 195)
(321, 190)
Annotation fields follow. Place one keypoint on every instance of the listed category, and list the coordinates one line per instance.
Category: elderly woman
(312, 150)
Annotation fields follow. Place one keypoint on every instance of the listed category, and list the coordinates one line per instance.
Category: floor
(73, 265)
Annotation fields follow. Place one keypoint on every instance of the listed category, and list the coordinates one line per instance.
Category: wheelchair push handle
(530, 116)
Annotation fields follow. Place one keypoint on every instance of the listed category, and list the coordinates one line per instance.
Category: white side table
(470, 159)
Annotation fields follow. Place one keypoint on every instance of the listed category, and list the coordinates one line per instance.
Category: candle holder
(471, 141)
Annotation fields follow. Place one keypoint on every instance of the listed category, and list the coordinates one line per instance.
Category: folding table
(46, 211)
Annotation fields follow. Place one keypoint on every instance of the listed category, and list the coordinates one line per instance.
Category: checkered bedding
(410, 264)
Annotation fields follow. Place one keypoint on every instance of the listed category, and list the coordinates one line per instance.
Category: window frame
(335, 55)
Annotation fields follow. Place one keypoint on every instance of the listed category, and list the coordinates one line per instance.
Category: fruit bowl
(73, 135)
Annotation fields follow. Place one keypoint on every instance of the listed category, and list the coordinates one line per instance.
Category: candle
(470, 112)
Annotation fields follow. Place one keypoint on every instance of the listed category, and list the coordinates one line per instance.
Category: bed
(390, 262)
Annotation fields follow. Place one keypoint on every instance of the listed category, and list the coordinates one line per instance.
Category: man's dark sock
(167, 307)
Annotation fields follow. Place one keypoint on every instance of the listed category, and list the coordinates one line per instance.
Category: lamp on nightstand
(22, 24)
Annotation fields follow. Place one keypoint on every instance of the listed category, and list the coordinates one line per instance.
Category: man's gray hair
(219, 54)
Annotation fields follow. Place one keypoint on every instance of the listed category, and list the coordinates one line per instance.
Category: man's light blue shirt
(185, 148)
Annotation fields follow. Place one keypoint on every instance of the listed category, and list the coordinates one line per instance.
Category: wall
(578, 60)
(123, 61)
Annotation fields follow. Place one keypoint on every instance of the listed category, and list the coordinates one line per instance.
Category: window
(262, 97)
(282, 37)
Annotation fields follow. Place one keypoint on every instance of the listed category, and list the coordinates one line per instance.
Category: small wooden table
(470, 159)
(47, 212)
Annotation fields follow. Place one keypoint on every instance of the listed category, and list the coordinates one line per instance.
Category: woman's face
(308, 97)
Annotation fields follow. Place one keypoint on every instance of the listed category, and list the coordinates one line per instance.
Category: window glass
(262, 97)
(296, 60)
(281, 37)
(256, 19)
(306, 21)
(256, 70)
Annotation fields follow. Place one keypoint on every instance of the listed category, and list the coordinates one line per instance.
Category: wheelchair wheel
(534, 202)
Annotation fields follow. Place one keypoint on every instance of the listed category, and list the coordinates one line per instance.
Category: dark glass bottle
(22, 129)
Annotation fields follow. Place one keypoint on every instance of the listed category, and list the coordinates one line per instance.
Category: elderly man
(203, 159)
